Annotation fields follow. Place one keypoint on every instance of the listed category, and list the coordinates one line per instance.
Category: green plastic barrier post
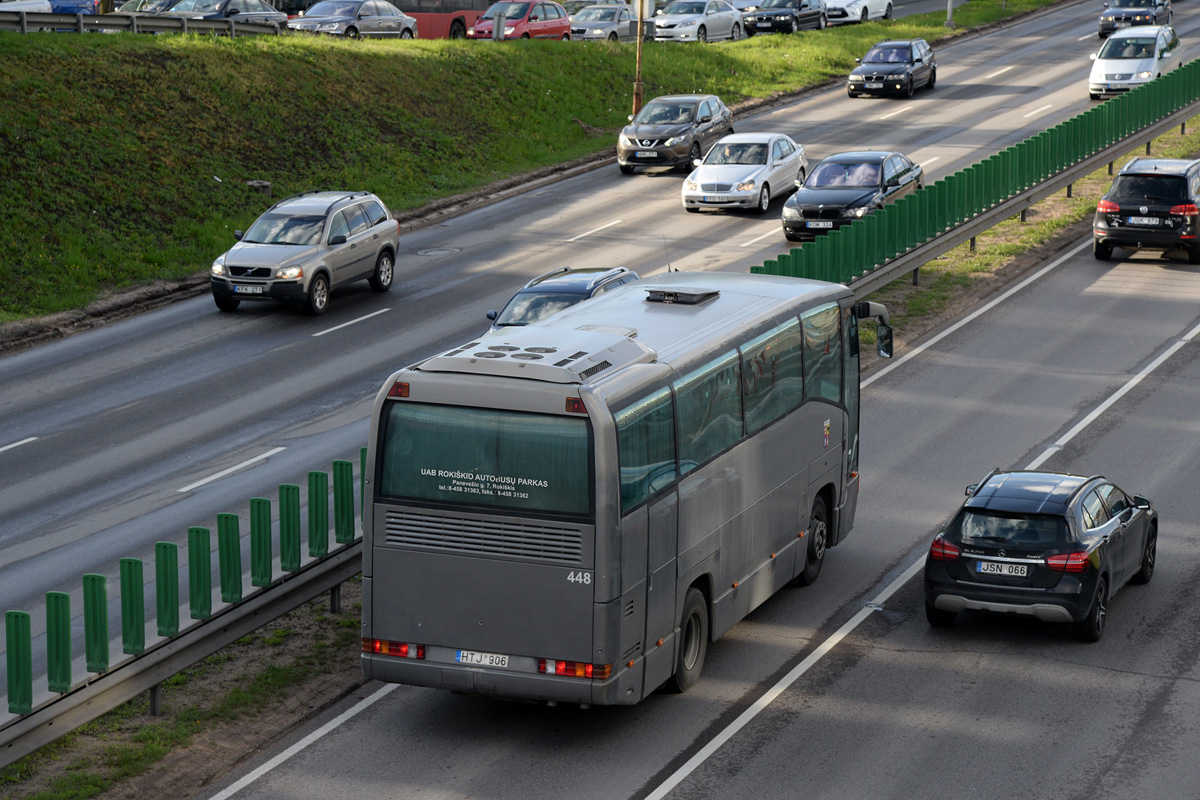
(343, 502)
(58, 642)
(166, 577)
(289, 527)
(200, 572)
(95, 622)
(318, 514)
(133, 607)
(229, 557)
(260, 542)
(18, 639)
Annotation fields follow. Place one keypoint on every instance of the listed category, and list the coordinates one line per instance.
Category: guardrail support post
(343, 502)
(229, 557)
(1070, 186)
(95, 622)
(58, 642)
(289, 527)
(200, 572)
(260, 542)
(18, 639)
(156, 700)
(335, 599)
(916, 276)
(166, 576)
(1147, 148)
(972, 244)
(1023, 212)
(133, 607)
(318, 514)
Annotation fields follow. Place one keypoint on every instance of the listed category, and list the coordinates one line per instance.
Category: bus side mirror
(883, 337)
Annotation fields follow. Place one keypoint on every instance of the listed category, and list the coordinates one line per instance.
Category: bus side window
(771, 372)
(646, 448)
(822, 353)
(709, 407)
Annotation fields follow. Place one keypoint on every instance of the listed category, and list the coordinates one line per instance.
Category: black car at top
(1048, 545)
(845, 187)
(1125, 13)
(898, 66)
(785, 16)
(257, 11)
(558, 289)
(673, 131)
(1153, 204)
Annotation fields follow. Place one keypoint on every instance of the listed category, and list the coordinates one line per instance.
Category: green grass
(127, 156)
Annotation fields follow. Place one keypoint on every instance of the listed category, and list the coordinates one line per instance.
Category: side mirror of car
(858, 61)
(238, 235)
(696, 162)
(534, 18)
(971, 489)
(883, 340)
(1093, 56)
(233, 11)
(706, 118)
(631, 117)
(892, 181)
(492, 315)
(1140, 502)
(338, 239)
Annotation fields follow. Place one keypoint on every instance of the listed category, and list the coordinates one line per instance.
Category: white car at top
(1131, 57)
(746, 170)
(839, 12)
(697, 21)
(28, 6)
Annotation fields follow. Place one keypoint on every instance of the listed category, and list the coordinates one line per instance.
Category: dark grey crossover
(1048, 545)
(673, 131)
(846, 187)
(1127, 13)
(894, 67)
(1153, 204)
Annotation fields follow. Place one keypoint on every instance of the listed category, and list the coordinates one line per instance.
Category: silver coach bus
(572, 510)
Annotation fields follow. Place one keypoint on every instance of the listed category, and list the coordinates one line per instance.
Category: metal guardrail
(899, 238)
(24, 22)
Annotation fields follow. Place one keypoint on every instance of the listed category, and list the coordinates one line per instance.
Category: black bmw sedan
(785, 16)
(894, 67)
(845, 187)
(1048, 545)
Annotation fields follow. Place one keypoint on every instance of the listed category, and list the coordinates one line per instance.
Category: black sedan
(785, 16)
(1048, 545)
(846, 187)
(894, 67)
(1125, 13)
(256, 11)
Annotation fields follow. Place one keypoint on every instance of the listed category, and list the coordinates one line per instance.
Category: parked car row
(352, 19)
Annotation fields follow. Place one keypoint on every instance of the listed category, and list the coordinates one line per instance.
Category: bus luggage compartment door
(660, 596)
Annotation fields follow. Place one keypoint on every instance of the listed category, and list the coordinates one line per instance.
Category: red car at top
(524, 20)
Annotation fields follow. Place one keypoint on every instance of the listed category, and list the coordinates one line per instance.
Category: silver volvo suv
(305, 246)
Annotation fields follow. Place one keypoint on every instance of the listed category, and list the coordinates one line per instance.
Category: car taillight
(1069, 562)
(1107, 207)
(574, 669)
(1186, 210)
(941, 550)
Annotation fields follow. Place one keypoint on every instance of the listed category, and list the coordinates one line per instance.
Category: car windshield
(333, 8)
(1131, 4)
(1163, 188)
(888, 55)
(285, 229)
(684, 8)
(656, 113)
(981, 526)
(738, 153)
(197, 6)
(781, 4)
(506, 10)
(844, 173)
(527, 307)
(1128, 48)
(597, 15)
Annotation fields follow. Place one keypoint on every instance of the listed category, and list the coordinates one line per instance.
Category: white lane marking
(352, 322)
(997, 73)
(758, 239)
(786, 681)
(595, 230)
(231, 470)
(894, 113)
(18, 444)
(977, 312)
(1113, 398)
(929, 161)
(319, 733)
(1085, 38)
(1037, 111)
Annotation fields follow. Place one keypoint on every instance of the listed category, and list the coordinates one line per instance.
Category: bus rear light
(1069, 562)
(574, 669)
(575, 406)
(941, 550)
(399, 389)
(397, 649)
(1107, 207)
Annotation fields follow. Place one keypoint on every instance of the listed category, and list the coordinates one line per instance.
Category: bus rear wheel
(693, 642)
(818, 540)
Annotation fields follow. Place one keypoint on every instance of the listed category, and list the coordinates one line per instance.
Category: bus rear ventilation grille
(590, 371)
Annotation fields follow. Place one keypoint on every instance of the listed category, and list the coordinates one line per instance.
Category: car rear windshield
(529, 307)
(1127, 48)
(978, 526)
(276, 228)
(485, 457)
(1149, 188)
(843, 173)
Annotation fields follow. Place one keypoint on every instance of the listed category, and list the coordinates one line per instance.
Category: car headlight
(327, 26)
(1109, 18)
(626, 141)
(791, 213)
(596, 31)
(674, 140)
(858, 212)
(691, 24)
(690, 185)
(745, 186)
(509, 30)
(856, 78)
(1144, 75)
(290, 273)
(218, 266)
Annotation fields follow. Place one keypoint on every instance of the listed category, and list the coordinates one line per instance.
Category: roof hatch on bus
(689, 296)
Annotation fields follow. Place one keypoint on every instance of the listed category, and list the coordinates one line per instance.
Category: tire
(932, 78)
(939, 618)
(524, 35)
(818, 537)
(800, 178)
(795, 26)
(791, 238)
(1093, 96)
(889, 13)
(406, 34)
(863, 17)
(822, 23)
(612, 37)
(693, 154)
(691, 210)
(1146, 571)
(850, 92)
(693, 642)
(1091, 627)
(318, 295)
(385, 272)
(736, 33)
(764, 199)
(352, 33)
(458, 30)
(1101, 250)
(701, 34)
(626, 169)
(909, 88)
(566, 37)
(226, 303)
(1194, 255)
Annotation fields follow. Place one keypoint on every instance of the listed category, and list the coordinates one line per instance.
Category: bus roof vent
(689, 296)
(575, 356)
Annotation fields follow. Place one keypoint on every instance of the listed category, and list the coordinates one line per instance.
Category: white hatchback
(1132, 57)
(746, 170)
(840, 12)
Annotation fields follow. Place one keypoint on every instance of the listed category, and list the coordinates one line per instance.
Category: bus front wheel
(693, 641)
(818, 540)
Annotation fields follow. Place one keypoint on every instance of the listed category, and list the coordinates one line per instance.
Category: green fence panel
(133, 607)
(95, 622)
(289, 527)
(18, 640)
(200, 572)
(318, 514)
(343, 502)
(58, 642)
(260, 542)
(166, 582)
(229, 557)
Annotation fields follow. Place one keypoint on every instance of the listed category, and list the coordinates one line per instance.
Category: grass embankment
(126, 156)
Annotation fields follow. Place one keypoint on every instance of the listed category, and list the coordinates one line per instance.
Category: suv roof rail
(603, 276)
(350, 196)
(545, 275)
(296, 196)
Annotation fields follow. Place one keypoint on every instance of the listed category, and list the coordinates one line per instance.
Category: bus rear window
(485, 457)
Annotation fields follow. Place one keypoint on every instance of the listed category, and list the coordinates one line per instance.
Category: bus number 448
(579, 577)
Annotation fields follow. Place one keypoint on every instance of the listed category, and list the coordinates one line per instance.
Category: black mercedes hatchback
(1048, 545)
(1153, 204)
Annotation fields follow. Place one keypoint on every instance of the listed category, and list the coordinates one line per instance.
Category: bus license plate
(480, 659)
(1143, 220)
(821, 223)
(248, 289)
(715, 198)
(646, 154)
(998, 568)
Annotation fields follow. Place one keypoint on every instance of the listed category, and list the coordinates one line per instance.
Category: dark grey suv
(673, 131)
(303, 247)
(1048, 545)
(1153, 204)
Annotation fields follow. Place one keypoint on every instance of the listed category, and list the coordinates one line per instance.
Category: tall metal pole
(949, 13)
(637, 78)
